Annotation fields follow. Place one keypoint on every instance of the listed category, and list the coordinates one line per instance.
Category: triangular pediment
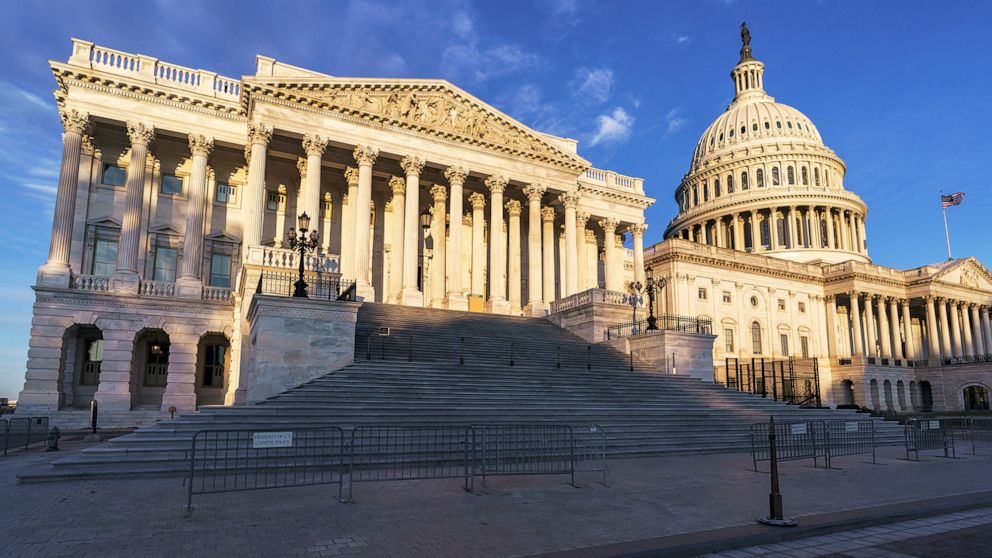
(164, 228)
(104, 221)
(223, 237)
(966, 272)
(431, 107)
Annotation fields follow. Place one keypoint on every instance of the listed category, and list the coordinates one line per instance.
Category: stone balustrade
(589, 296)
(219, 294)
(284, 258)
(613, 180)
(92, 283)
(157, 288)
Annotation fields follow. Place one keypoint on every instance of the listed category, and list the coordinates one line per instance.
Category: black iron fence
(22, 432)
(794, 380)
(819, 440)
(929, 435)
(667, 322)
(322, 286)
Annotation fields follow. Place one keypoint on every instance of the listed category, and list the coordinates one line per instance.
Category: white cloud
(480, 60)
(565, 13)
(593, 83)
(682, 40)
(612, 127)
(674, 121)
(40, 187)
(462, 25)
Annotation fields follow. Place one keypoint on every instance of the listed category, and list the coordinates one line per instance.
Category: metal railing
(525, 449)
(814, 439)
(667, 322)
(794, 380)
(795, 440)
(929, 435)
(237, 460)
(590, 450)
(22, 432)
(319, 286)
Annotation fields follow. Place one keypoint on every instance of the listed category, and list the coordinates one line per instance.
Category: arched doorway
(901, 394)
(887, 392)
(213, 359)
(847, 397)
(914, 395)
(875, 404)
(149, 369)
(926, 397)
(79, 370)
(976, 398)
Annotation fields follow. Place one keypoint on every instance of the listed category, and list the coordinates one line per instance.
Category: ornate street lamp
(635, 299)
(302, 243)
(651, 288)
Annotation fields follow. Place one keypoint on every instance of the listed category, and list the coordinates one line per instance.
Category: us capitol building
(179, 188)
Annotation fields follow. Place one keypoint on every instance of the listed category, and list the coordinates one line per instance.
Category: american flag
(953, 199)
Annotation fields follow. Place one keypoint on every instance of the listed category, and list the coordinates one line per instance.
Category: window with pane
(702, 294)
(790, 174)
(157, 368)
(776, 179)
(756, 338)
(226, 193)
(784, 340)
(766, 234)
(816, 177)
(272, 201)
(781, 304)
(104, 257)
(726, 296)
(213, 368)
(716, 187)
(165, 264)
(760, 177)
(804, 346)
(730, 183)
(781, 231)
(113, 175)
(802, 307)
(728, 336)
(220, 270)
(744, 181)
(172, 184)
(805, 176)
(92, 359)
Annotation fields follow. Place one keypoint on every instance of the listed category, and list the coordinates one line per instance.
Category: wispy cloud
(674, 121)
(479, 58)
(612, 127)
(594, 84)
(682, 40)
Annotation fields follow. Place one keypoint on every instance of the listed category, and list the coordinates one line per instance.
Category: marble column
(582, 268)
(907, 330)
(637, 232)
(954, 317)
(737, 238)
(933, 336)
(614, 280)
(793, 237)
(497, 303)
(259, 136)
(548, 237)
(349, 200)
(968, 348)
(945, 329)
(720, 240)
(535, 305)
(976, 331)
(870, 339)
(125, 278)
(831, 241)
(856, 322)
(410, 294)
(189, 284)
(830, 303)
(884, 332)
(314, 146)
(987, 329)
(863, 245)
(478, 202)
(327, 218)
(398, 186)
(56, 271)
(439, 266)
(455, 297)
(773, 228)
(365, 156)
(755, 232)
(514, 273)
(897, 352)
(571, 201)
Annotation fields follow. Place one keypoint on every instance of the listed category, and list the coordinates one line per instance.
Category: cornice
(620, 196)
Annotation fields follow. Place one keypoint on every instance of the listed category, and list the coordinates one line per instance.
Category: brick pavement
(516, 516)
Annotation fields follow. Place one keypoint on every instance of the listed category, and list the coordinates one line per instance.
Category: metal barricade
(795, 440)
(590, 450)
(237, 460)
(387, 453)
(846, 437)
(929, 434)
(980, 433)
(525, 449)
(22, 432)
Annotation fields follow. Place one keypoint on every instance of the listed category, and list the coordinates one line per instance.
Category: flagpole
(947, 235)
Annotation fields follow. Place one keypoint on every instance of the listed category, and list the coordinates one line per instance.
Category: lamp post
(653, 287)
(635, 299)
(302, 243)
(425, 224)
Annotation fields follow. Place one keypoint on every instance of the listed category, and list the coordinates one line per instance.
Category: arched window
(744, 180)
(716, 187)
(767, 125)
(760, 175)
(706, 192)
(756, 338)
(730, 183)
(695, 196)
(743, 129)
(731, 132)
(721, 136)
(805, 175)
(816, 177)
(789, 124)
(754, 127)
(791, 174)
(776, 179)
(778, 124)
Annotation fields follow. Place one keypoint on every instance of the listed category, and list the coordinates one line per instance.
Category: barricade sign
(794, 441)
(814, 440)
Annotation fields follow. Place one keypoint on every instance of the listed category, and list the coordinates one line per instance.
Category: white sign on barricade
(850, 427)
(798, 429)
(261, 440)
(934, 425)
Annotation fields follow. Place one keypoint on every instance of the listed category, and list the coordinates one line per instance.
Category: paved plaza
(648, 504)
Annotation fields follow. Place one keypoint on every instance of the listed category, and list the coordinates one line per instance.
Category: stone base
(537, 309)
(124, 282)
(671, 352)
(189, 287)
(365, 291)
(113, 401)
(456, 301)
(410, 297)
(55, 276)
(498, 306)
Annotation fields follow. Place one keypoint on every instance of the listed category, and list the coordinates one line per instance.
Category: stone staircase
(415, 376)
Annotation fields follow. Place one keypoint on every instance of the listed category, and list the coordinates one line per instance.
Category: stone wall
(294, 340)
(671, 352)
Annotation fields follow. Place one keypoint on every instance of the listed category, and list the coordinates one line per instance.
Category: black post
(368, 351)
(93, 413)
(461, 354)
(411, 348)
(558, 356)
(300, 286)
(588, 357)
(774, 516)
(774, 382)
(631, 360)
(511, 352)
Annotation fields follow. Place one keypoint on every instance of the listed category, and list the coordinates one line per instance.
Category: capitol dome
(762, 180)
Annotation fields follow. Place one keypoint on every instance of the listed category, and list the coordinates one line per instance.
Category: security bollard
(53, 439)
(775, 516)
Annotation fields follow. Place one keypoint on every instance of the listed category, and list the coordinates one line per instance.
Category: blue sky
(900, 90)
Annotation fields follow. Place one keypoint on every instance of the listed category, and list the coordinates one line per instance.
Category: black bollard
(93, 413)
(53, 439)
(775, 516)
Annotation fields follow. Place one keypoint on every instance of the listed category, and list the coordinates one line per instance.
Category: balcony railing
(93, 283)
(601, 296)
(217, 293)
(157, 288)
(611, 179)
(666, 322)
(284, 258)
(275, 283)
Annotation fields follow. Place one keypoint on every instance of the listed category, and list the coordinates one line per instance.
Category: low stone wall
(591, 320)
(294, 340)
(672, 352)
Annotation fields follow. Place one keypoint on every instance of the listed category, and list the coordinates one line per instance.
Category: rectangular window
(226, 193)
(220, 270)
(272, 202)
(172, 184)
(802, 307)
(91, 363)
(113, 175)
(104, 258)
(785, 344)
(804, 346)
(213, 369)
(726, 296)
(728, 335)
(781, 304)
(702, 294)
(165, 265)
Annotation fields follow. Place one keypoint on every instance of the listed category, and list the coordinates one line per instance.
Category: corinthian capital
(439, 192)
(301, 166)
(581, 218)
(73, 120)
(496, 184)
(569, 199)
(637, 230)
(398, 185)
(200, 144)
(455, 175)
(351, 176)
(259, 133)
(140, 133)
(513, 208)
(534, 192)
(365, 155)
(547, 213)
(412, 165)
(314, 145)
(609, 225)
(477, 200)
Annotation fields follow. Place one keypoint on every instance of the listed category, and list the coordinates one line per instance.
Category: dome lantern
(748, 74)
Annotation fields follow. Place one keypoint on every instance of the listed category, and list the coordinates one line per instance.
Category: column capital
(496, 183)
(200, 144)
(351, 176)
(637, 230)
(413, 166)
(365, 155)
(590, 235)
(513, 208)
(301, 166)
(903, 302)
(984, 308)
(140, 133)
(547, 213)
(398, 185)
(534, 192)
(569, 199)
(830, 298)
(581, 218)
(439, 192)
(854, 294)
(609, 225)
(455, 174)
(259, 134)
(467, 219)
(930, 299)
(73, 120)
(314, 145)
(477, 200)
